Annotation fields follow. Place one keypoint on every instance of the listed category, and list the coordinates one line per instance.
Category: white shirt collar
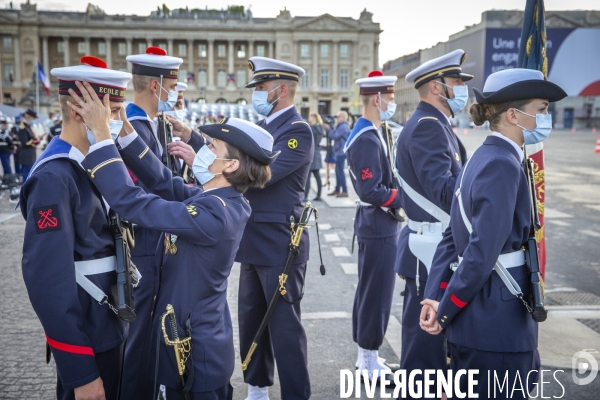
(271, 117)
(516, 146)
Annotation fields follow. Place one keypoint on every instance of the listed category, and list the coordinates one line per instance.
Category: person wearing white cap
(154, 82)
(486, 324)
(264, 248)
(68, 243)
(202, 229)
(376, 229)
(429, 157)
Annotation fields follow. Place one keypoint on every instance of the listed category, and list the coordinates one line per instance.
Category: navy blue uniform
(429, 157)
(377, 233)
(194, 280)
(142, 256)
(263, 253)
(487, 327)
(66, 223)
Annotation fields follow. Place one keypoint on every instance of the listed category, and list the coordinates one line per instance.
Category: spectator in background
(316, 125)
(56, 128)
(329, 157)
(17, 148)
(27, 153)
(339, 136)
(6, 146)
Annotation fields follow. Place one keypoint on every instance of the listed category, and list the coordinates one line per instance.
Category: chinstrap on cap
(155, 62)
(267, 69)
(93, 71)
(518, 84)
(446, 65)
(245, 136)
(376, 82)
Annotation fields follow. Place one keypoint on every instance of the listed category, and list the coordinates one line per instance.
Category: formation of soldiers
(104, 176)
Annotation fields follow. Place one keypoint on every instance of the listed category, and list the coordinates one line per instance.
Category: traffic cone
(594, 130)
(597, 149)
(465, 132)
(573, 130)
(456, 130)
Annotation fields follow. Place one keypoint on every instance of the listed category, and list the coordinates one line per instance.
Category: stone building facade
(215, 47)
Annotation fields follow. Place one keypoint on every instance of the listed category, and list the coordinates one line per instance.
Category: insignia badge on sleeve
(47, 219)
(366, 174)
(192, 210)
(292, 143)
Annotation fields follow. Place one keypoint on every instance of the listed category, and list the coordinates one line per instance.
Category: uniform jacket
(476, 308)
(339, 135)
(267, 236)
(209, 227)
(429, 157)
(66, 222)
(27, 150)
(6, 142)
(55, 130)
(372, 180)
(317, 162)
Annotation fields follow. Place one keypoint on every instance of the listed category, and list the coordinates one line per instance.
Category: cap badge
(251, 65)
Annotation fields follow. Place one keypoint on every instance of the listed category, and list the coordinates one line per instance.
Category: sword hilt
(181, 347)
(249, 356)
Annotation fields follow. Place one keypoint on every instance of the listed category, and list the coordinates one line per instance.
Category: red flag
(536, 153)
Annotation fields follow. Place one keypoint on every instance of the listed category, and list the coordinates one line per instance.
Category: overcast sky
(408, 25)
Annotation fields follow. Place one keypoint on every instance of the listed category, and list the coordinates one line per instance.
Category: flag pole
(37, 86)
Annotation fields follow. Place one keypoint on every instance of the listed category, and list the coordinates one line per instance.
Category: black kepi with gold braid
(268, 69)
(446, 65)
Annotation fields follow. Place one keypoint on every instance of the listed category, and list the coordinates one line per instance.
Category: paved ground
(573, 229)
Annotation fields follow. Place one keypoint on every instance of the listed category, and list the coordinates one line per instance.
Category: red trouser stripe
(70, 348)
(392, 197)
(459, 303)
(443, 285)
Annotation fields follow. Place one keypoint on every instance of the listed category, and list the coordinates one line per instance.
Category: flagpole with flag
(532, 55)
(40, 76)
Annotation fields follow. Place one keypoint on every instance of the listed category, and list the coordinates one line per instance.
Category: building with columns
(215, 47)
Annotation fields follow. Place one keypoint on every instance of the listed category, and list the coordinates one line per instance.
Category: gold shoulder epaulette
(220, 199)
(431, 118)
(301, 122)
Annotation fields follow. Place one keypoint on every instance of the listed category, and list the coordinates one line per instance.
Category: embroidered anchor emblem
(366, 174)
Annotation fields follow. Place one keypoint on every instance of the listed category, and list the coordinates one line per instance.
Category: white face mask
(115, 128)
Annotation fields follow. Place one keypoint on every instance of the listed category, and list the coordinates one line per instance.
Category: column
(376, 55)
(295, 52)
(66, 51)
(45, 63)
(335, 69)
(230, 65)
(356, 64)
(170, 47)
(17, 59)
(211, 64)
(108, 52)
(271, 52)
(149, 42)
(315, 65)
(129, 43)
(250, 54)
(190, 53)
(87, 50)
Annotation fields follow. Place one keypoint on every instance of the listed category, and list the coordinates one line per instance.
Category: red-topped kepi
(376, 82)
(155, 62)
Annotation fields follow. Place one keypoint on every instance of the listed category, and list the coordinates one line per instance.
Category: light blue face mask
(260, 101)
(115, 128)
(90, 135)
(171, 99)
(461, 96)
(389, 113)
(543, 127)
(179, 114)
(204, 159)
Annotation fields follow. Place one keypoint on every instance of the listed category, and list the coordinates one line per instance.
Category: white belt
(508, 260)
(362, 203)
(427, 228)
(94, 267)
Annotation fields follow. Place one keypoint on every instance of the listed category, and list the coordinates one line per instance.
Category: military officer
(29, 142)
(429, 156)
(154, 82)
(265, 244)
(6, 146)
(487, 327)
(68, 250)
(376, 230)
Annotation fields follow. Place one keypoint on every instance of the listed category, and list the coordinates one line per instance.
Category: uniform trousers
(138, 371)
(223, 393)
(6, 167)
(374, 292)
(420, 350)
(284, 340)
(503, 364)
(109, 365)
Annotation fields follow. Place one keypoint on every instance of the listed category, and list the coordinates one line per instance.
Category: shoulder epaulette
(301, 122)
(220, 199)
(431, 118)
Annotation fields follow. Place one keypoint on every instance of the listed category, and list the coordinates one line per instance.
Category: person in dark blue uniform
(29, 142)
(265, 245)
(68, 248)
(376, 230)
(487, 327)
(6, 146)
(202, 230)
(429, 157)
(154, 82)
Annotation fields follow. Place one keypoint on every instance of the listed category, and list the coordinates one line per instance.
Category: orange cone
(593, 130)
(465, 132)
(597, 149)
(456, 130)
(573, 130)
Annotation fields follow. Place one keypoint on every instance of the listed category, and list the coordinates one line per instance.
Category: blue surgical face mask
(179, 114)
(461, 96)
(260, 102)
(115, 128)
(389, 113)
(204, 159)
(90, 135)
(171, 99)
(543, 126)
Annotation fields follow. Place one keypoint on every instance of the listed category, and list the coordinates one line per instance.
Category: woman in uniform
(202, 231)
(487, 327)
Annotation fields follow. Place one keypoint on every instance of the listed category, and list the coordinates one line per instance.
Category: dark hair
(492, 112)
(251, 173)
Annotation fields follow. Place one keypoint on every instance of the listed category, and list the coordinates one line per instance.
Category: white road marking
(332, 237)
(558, 222)
(9, 217)
(552, 213)
(350, 268)
(324, 227)
(326, 315)
(393, 335)
(591, 233)
(593, 206)
(341, 252)
(560, 289)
